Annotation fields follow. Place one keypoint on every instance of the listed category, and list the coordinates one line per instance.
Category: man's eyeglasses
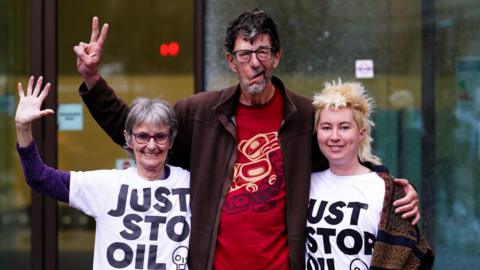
(158, 138)
(262, 54)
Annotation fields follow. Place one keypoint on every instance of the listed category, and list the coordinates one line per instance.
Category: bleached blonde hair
(352, 95)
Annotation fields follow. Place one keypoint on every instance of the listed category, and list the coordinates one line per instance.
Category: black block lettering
(122, 199)
(127, 259)
(129, 223)
(172, 234)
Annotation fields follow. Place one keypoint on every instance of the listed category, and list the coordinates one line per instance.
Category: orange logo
(256, 149)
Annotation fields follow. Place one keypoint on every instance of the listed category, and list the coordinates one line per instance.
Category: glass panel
(458, 134)
(135, 64)
(15, 199)
(322, 41)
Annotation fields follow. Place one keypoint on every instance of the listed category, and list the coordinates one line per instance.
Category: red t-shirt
(252, 233)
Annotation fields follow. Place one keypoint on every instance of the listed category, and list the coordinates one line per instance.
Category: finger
(409, 199)
(46, 112)
(403, 208)
(103, 35)
(404, 200)
(410, 214)
(85, 47)
(401, 182)
(38, 86)
(416, 219)
(80, 53)
(30, 86)
(21, 94)
(94, 35)
(410, 196)
(45, 92)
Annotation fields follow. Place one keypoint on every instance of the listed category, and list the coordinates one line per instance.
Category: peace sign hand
(89, 55)
(29, 106)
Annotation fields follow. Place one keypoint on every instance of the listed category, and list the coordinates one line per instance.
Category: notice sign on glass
(364, 69)
(70, 116)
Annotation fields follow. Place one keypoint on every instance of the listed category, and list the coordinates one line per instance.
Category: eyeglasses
(263, 54)
(158, 138)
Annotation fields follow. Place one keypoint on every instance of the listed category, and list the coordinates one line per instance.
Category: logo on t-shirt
(258, 174)
(258, 167)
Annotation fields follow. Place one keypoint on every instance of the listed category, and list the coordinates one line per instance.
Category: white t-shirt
(343, 217)
(140, 224)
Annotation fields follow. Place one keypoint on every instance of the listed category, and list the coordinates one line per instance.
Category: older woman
(351, 221)
(142, 213)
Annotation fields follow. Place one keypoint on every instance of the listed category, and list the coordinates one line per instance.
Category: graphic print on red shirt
(252, 232)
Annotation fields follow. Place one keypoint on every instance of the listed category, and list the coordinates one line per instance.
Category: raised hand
(29, 108)
(90, 54)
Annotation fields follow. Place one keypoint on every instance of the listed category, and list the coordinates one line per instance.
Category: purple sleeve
(42, 178)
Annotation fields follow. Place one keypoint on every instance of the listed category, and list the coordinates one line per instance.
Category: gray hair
(152, 111)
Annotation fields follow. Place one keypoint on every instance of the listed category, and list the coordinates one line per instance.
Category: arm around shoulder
(399, 244)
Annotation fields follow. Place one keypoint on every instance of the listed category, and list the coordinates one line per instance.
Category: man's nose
(254, 62)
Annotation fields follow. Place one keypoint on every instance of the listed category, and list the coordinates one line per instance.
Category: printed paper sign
(364, 69)
(70, 116)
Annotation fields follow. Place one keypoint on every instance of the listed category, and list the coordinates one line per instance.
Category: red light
(169, 49)
(164, 50)
(174, 48)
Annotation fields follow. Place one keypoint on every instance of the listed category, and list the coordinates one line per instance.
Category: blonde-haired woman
(351, 221)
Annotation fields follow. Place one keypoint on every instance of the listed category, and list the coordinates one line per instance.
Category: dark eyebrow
(259, 48)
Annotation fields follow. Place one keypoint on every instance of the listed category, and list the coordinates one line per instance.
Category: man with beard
(248, 147)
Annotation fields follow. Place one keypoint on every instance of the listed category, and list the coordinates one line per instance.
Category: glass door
(149, 52)
(15, 199)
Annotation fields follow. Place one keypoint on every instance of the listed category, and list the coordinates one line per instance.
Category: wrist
(23, 126)
(92, 80)
(24, 135)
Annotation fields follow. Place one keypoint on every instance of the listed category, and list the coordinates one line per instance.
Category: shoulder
(390, 187)
(180, 172)
(206, 98)
(95, 173)
(100, 178)
(319, 174)
(319, 178)
(201, 98)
